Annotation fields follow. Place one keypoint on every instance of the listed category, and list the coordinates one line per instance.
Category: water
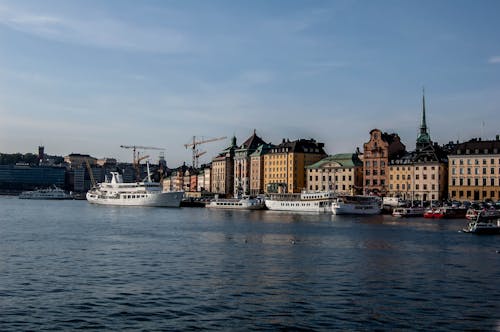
(68, 265)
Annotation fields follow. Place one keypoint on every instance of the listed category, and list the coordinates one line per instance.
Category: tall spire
(423, 139)
(423, 125)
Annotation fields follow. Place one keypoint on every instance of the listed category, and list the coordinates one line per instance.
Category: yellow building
(284, 165)
(421, 174)
(475, 171)
(257, 169)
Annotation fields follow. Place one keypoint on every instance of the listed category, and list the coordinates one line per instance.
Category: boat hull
(236, 204)
(164, 199)
(319, 206)
(339, 209)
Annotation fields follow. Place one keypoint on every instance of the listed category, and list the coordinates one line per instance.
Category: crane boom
(194, 146)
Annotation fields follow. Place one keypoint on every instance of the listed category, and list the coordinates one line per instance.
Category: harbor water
(68, 265)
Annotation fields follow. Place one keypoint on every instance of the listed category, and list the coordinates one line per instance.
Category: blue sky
(89, 76)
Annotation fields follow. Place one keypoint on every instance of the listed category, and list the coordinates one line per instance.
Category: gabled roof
(252, 142)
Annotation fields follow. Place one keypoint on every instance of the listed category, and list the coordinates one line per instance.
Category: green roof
(343, 159)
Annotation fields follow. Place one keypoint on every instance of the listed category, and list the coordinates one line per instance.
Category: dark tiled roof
(477, 144)
(301, 146)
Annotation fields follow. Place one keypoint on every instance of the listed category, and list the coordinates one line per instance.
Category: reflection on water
(70, 265)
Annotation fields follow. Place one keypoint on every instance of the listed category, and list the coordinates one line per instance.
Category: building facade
(342, 173)
(474, 173)
(242, 164)
(284, 165)
(421, 174)
(257, 169)
(378, 151)
(222, 175)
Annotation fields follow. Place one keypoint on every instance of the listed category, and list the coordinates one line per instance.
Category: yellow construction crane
(136, 158)
(194, 147)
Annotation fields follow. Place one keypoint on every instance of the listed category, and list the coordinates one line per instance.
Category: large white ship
(319, 201)
(356, 204)
(146, 193)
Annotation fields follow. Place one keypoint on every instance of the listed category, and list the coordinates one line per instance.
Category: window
(484, 161)
(492, 170)
(484, 170)
(492, 182)
(367, 182)
(468, 170)
(433, 177)
(375, 163)
(484, 181)
(367, 163)
(416, 176)
(425, 176)
(416, 186)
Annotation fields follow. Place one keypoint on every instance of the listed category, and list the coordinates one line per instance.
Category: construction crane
(136, 158)
(194, 147)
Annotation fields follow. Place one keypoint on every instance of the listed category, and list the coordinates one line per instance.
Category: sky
(89, 76)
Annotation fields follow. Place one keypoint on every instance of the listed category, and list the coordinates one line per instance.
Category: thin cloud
(494, 59)
(97, 32)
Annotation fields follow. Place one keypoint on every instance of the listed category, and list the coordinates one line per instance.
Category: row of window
(476, 182)
(477, 151)
(476, 161)
(374, 182)
(323, 187)
(417, 177)
(375, 172)
(374, 163)
(476, 170)
(408, 187)
(476, 194)
(316, 178)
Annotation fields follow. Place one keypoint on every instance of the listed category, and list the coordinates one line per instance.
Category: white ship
(49, 193)
(319, 201)
(244, 203)
(356, 205)
(146, 193)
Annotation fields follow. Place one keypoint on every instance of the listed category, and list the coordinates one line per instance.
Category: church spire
(423, 125)
(424, 138)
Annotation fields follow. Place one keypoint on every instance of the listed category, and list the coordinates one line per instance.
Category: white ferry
(49, 193)
(356, 204)
(319, 201)
(244, 203)
(145, 193)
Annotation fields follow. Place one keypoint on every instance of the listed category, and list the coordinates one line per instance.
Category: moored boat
(146, 193)
(356, 204)
(485, 223)
(48, 193)
(244, 203)
(319, 201)
(408, 212)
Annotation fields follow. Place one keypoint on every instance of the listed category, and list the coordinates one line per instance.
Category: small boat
(48, 193)
(356, 204)
(435, 213)
(307, 201)
(244, 203)
(408, 212)
(484, 224)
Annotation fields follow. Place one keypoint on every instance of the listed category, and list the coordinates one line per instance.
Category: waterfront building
(25, 177)
(242, 164)
(475, 170)
(284, 165)
(222, 175)
(342, 173)
(423, 173)
(378, 151)
(200, 181)
(75, 160)
(257, 169)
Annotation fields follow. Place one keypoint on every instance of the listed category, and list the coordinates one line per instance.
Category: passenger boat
(146, 193)
(319, 201)
(485, 223)
(408, 212)
(48, 193)
(244, 203)
(356, 204)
